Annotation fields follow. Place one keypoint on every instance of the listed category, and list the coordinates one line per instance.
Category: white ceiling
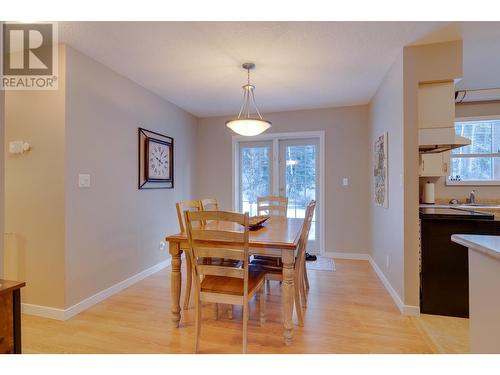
(300, 65)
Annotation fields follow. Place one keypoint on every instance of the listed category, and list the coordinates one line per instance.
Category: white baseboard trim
(405, 309)
(43, 311)
(61, 314)
(340, 255)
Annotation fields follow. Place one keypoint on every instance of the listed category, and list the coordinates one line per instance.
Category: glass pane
(496, 137)
(496, 169)
(255, 176)
(300, 181)
(478, 169)
(480, 133)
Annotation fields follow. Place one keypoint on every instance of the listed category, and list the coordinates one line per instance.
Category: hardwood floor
(449, 335)
(349, 311)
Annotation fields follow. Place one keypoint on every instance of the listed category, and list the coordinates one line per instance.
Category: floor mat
(321, 264)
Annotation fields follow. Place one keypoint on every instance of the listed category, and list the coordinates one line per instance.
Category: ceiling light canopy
(245, 124)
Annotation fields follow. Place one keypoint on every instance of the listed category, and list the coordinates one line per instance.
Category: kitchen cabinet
(436, 105)
(435, 165)
(444, 275)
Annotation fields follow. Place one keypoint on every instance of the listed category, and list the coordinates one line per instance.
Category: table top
(278, 232)
(8, 285)
(488, 245)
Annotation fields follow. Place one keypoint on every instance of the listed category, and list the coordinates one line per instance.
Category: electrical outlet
(83, 180)
(387, 261)
(345, 181)
(162, 246)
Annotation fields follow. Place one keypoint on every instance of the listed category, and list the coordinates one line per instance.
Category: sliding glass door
(285, 167)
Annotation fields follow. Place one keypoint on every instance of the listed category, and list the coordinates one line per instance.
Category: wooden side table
(10, 316)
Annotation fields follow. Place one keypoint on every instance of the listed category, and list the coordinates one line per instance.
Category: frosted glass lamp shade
(248, 126)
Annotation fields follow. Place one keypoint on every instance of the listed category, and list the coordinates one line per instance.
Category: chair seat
(274, 260)
(265, 265)
(232, 285)
(223, 262)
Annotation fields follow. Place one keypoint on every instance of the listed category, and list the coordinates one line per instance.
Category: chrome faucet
(472, 197)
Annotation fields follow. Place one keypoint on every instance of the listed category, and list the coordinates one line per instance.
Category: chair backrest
(186, 206)
(210, 204)
(272, 206)
(306, 227)
(231, 231)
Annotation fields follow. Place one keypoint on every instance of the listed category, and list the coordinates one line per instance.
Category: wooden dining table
(278, 237)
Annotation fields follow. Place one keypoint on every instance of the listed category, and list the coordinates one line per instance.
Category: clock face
(158, 160)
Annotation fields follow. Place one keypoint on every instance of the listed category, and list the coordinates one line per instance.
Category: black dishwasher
(444, 273)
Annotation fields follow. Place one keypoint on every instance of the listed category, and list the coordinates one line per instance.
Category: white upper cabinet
(436, 105)
(435, 165)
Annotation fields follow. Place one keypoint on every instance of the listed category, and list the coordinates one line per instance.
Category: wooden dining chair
(210, 204)
(193, 205)
(270, 205)
(227, 284)
(274, 272)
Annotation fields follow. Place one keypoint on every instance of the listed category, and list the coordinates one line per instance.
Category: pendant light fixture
(245, 124)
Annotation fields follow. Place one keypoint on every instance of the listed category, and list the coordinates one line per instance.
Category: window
(480, 161)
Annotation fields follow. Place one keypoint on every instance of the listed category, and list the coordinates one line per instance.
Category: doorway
(288, 164)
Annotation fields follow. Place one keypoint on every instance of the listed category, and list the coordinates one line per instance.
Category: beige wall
(346, 153)
(461, 192)
(386, 115)
(426, 63)
(394, 109)
(34, 191)
(69, 243)
(113, 230)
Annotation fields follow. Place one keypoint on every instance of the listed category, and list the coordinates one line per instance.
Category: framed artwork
(380, 171)
(156, 160)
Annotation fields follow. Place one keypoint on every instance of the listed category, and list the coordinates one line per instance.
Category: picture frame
(155, 160)
(380, 171)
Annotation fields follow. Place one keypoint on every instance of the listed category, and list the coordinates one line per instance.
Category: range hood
(436, 140)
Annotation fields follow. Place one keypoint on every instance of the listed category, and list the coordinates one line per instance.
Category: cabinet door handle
(445, 167)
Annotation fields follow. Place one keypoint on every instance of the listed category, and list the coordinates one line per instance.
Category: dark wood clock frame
(145, 137)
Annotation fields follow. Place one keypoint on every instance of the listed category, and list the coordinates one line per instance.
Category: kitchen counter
(492, 209)
(484, 283)
(454, 213)
(488, 245)
(461, 206)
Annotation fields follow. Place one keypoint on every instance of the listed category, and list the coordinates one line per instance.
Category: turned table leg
(175, 282)
(288, 291)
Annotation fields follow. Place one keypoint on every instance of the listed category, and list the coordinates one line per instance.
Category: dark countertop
(454, 214)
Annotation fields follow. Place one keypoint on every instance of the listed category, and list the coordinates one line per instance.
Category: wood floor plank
(349, 311)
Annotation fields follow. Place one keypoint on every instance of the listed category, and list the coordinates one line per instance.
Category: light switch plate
(345, 181)
(83, 180)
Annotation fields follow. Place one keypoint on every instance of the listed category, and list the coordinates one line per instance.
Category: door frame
(275, 138)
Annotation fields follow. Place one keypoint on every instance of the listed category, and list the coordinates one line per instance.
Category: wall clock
(156, 160)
